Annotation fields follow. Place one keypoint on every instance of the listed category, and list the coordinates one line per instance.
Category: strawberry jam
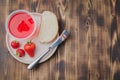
(21, 25)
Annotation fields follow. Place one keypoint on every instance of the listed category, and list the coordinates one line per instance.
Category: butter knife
(58, 41)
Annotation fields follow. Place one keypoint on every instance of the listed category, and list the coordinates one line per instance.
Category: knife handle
(60, 39)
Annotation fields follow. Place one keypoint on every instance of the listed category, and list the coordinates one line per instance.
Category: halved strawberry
(23, 27)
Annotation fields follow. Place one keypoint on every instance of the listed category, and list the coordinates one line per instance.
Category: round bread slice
(49, 27)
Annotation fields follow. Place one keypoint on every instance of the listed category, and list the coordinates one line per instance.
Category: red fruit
(30, 48)
(23, 27)
(20, 52)
(15, 44)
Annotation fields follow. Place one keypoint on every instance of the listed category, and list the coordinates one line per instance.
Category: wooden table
(92, 51)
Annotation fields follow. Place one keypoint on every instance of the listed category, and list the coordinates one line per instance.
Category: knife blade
(57, 42)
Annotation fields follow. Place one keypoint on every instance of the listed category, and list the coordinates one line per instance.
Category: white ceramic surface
(40, 48)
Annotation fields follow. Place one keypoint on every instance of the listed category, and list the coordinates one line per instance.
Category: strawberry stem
(17, 54)
(29, 42)
(15, 41)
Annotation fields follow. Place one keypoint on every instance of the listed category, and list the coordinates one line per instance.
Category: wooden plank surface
(92, 51)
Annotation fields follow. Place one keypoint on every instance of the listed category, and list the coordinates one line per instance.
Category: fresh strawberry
(15, 44)
(20, 52)
(30, 48)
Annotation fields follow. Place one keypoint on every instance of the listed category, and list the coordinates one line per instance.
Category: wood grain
(92, 51)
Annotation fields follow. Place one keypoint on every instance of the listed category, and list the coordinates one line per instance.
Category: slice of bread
(49, 27)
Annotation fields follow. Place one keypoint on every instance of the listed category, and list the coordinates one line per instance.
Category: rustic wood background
(92, 51)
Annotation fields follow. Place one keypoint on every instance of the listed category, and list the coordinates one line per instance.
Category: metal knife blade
(57, 42)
